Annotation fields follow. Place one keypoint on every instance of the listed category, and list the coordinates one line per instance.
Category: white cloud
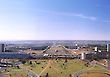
(70, 14)
(85, 17)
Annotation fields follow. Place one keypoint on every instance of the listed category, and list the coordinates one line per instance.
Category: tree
(70, 75)
(30, 62)
(18, 67)
(47, 75)
(66, 60)
(23, 61)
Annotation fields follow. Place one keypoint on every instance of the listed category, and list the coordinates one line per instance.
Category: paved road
(32, 74)
(1, 75)
(98, 64)
(49, 63)
(29, 72)
(77, 74)
(2, 69)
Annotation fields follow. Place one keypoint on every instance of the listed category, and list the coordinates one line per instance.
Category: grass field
(34, 51)
(96, 71)
(57, 50)
(56, 68)
(15, 75)
(94, 75)
(97, 68)
(14, 72)
(60, 68)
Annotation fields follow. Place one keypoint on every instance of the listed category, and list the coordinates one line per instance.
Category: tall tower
(108, 47)
(76, 46)
(2, 47)
(108, 50)
(82, 55)
(96, 48)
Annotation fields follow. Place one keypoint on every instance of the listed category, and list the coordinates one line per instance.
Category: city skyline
(54, 20)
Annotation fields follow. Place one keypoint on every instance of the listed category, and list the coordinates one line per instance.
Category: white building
(108, 60)
(82, 55)
(108, 47)
(96, 49)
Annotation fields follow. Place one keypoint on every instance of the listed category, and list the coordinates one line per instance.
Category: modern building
(76, 46)
(14, 55)
(108, 50)
(108, 47)
(96, 48)
(82, 55)
(2, 47)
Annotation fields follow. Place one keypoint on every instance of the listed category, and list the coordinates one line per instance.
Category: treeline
(39, 48)
(100, 47)
(71, 47)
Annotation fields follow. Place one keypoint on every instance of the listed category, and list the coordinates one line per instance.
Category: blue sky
(54, 20)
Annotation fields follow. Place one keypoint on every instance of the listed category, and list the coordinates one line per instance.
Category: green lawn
(56, 67)
(14, 72)
(62, 69)
(99, 69)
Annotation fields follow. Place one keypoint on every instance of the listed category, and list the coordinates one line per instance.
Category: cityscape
(54, 38)
(49, 57)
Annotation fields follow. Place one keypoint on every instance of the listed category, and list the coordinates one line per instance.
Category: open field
(14, 72)
(94, 75)
(57, 50)
(59, 68)
(98, 68)
(34, 51)
(15, 75)
(56, 68)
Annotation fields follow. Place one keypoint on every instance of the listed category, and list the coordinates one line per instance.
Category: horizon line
(56, 40)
